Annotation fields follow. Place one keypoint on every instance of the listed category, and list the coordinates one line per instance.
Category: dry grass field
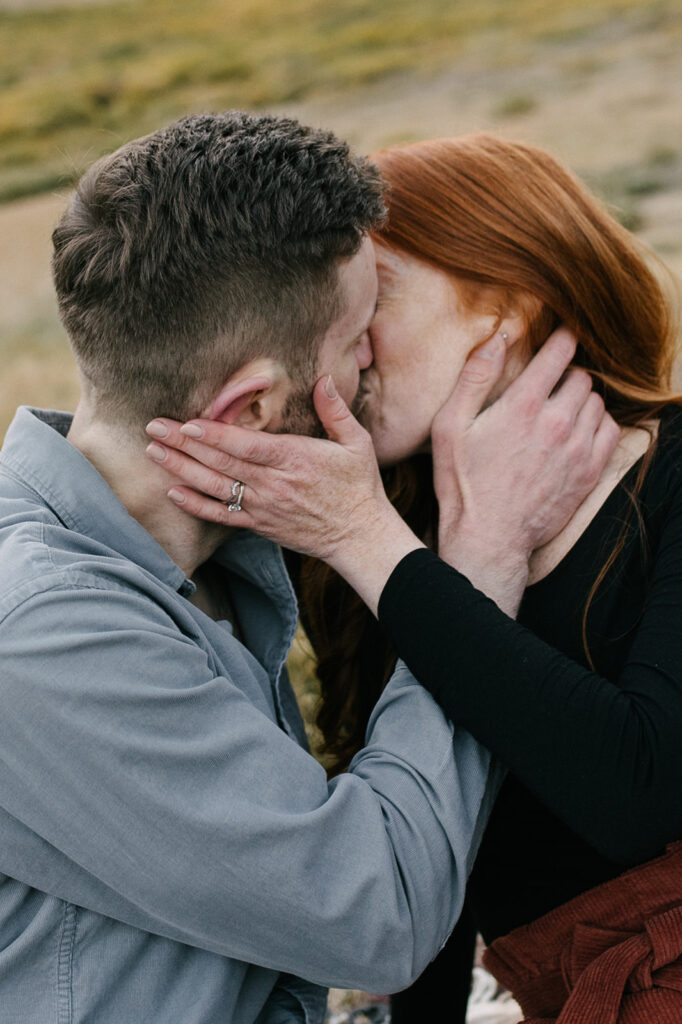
(77, 79)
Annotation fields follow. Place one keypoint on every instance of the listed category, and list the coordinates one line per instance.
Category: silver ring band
(237, 494)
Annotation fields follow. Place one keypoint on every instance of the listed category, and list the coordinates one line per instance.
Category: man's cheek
(347, 385)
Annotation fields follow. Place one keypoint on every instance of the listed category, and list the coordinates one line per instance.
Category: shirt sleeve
(284, 1007)
(141, 785)
(605, 756)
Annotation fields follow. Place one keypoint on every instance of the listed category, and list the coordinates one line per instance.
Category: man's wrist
(500, 573)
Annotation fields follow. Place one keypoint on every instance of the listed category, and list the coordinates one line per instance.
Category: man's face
(345, 349)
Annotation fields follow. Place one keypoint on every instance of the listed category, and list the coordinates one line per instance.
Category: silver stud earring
(504, 335)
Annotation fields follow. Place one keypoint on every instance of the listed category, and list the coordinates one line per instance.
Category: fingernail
(156, 451)
(177, 496)
(157, 429)
(192, 430)
(329, 387)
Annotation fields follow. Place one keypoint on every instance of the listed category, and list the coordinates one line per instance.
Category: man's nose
(364, 353)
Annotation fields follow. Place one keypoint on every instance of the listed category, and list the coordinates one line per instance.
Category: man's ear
(254, 396)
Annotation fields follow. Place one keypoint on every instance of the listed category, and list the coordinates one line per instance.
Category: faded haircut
(191, 251)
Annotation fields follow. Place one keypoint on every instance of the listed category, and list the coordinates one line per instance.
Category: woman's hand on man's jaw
(509, 477)
(323, 498)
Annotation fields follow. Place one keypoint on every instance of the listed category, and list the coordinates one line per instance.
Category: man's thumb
(477, 378)
(335, 416)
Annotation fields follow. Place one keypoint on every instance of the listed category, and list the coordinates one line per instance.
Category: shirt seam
(67, 938)
(66, 582)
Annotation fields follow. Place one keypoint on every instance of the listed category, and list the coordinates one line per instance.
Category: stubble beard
(299, 416)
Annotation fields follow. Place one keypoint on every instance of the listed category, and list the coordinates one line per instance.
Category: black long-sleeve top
(594, 756)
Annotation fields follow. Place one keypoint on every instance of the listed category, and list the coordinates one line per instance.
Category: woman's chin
(390, 449)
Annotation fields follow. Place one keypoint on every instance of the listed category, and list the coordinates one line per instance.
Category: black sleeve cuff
(410, 581)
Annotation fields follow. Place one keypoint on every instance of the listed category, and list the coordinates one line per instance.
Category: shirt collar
(36, 451)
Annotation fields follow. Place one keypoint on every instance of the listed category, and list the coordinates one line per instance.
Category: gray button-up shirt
(171, 852)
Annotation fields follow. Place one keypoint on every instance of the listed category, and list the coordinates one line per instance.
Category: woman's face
(421, 336)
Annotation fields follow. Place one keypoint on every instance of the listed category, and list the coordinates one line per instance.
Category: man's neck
(118, 454)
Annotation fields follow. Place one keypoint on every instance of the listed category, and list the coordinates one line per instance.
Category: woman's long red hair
(515, 228)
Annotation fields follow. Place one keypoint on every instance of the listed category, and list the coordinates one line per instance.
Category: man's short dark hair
(189, 252)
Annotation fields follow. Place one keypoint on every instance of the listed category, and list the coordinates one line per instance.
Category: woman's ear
(253, 397)
(529, 319)
(512, 329)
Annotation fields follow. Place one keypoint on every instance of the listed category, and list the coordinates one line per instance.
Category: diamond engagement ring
(237, 494)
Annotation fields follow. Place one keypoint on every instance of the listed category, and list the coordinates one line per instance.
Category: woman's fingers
(208, 456)
(215, 482)
(306, 493)
(198, 436)
(203, 507)
(240, 442)
(337, 419)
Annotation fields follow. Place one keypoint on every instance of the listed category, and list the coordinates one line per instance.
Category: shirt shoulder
(39, 554)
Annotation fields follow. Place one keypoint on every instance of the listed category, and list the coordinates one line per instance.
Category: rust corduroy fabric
(613, 955)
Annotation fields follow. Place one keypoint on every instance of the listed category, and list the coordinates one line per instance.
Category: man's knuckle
(560, 425)
(581, 377)
(577, 449)
(596, 402)
(529, 407)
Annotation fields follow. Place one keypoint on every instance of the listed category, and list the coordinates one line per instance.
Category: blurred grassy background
(79, 79)
(598, 82)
